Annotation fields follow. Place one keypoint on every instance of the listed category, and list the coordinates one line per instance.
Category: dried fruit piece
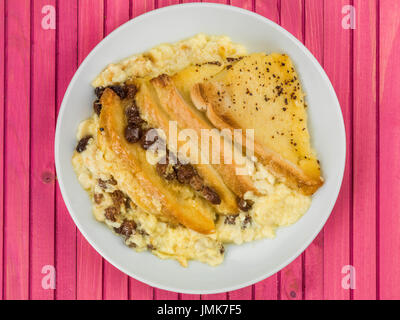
(132, 133)
(111, 213)
(82, 144)
(98, 198)
(210, 195)
(127, 228)
(245, 205)
(97, 107)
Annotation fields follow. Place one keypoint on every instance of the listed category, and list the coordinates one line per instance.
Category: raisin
(247, 220)
(131, 91)
(98, 198)
(127, 203)
(112, 181)
(82, 144)
(143, 233)
(230, 220)
(118, 197)
(132, 133)
(133, 116)
(210, 195)
(149, 138)
(245, 205)
(99, 91)
(127, 228)
(222, 249)
(196, 183)
(119, 90)
(185, 172)
(97, 107)
(151, 247)
(166, 171)
(111, 213)
(132, 245)
(102, 184)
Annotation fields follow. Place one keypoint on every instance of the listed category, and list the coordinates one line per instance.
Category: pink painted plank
(117, 13)
(17, 123)
(89, 262)
(244, 4)
(269, 288)
(269, 9)
(165, 3)
(2, 97)
(137, 289)
(389, 125)
(67, 56)
(140, 7)
(337, 55)
(42, 152)
(115, 282)
(364, 150)
(189, 297)
(164, 295)
(292, 275)
(218, 296)
(314, 255)
(241, 294)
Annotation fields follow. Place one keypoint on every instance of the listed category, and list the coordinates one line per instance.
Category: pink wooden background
(36, 230)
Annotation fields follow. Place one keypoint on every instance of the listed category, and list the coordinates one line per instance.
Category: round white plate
(244, 265)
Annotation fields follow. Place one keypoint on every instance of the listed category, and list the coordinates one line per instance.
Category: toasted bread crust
(204, 95)
(148, 105)
(187, 117)
(197, 216)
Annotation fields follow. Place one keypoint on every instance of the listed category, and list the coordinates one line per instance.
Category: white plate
(244, 265)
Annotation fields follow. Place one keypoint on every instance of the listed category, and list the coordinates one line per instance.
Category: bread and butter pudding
(154, 190)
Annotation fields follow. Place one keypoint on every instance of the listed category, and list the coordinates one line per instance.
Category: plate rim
(329, 207)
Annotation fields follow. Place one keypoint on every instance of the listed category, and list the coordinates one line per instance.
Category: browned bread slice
(147, 101)
(188, 117)
(263, 92)
(150, 191)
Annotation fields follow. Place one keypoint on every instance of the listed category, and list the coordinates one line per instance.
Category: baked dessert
(155, 183)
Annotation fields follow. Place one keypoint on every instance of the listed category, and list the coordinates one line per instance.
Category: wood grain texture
(2, 106)
(314, 255)
(269, 9)
(364, 150)
(17, 139)
(36, 66)
(140, 7)
(89, 262)
(115, 282)
(337, 55)
(42, 169)
(140, 291)
(389, 150)
(292, 275)
(269, 288)
(67, 62)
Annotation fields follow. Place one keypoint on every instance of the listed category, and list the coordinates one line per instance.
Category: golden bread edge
(170, 208)
(284, 170)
